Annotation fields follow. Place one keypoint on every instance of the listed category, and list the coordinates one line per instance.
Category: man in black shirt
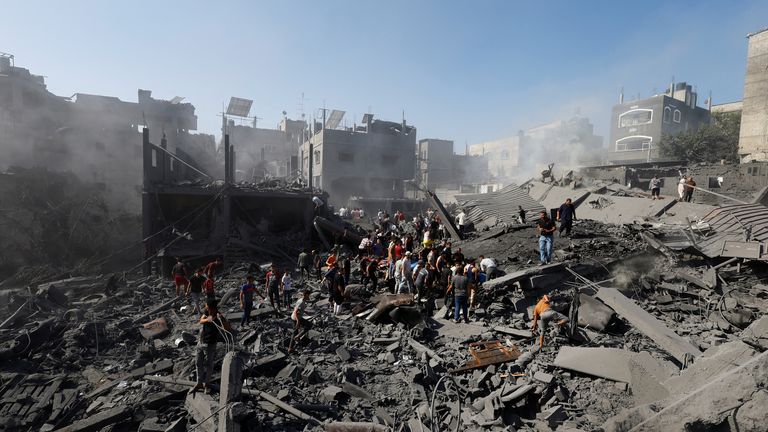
(195, 289)
(212, 323)
(460, 286)
(546, 229)
(566, 215)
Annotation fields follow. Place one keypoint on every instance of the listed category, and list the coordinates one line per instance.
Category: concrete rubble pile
(666, 338)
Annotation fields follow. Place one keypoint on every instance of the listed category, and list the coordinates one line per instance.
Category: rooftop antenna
(621, 96)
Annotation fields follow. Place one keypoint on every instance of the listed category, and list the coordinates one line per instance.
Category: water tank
(5, 64)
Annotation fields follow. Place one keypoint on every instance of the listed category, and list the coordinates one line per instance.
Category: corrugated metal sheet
(499, 207)
(729, 224)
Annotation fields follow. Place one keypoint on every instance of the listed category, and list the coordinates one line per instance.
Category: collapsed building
(95, 137)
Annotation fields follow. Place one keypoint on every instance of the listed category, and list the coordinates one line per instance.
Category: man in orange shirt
(543, 314)
(331, 259)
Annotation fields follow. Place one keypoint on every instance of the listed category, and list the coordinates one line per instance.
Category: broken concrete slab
(523, 334)
(681, 349)
(100, 420)
(622, 210)
(610, 363)
(202, 408)
(710, 364)
(594, 314)
(513, 277)
(713, 403)
(355, 427)
(757, 333)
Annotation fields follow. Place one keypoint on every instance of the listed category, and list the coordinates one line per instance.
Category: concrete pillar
(229, 390)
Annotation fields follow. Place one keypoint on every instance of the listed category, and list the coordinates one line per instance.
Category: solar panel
(177, 100)
(239, 107)
(367, 118)
(334, 119)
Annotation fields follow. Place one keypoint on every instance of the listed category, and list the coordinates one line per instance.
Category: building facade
(262, 152)
(638, 126)
(372, 161)
(98, 138)
(753, 136)
(435, 157)
(502, 156)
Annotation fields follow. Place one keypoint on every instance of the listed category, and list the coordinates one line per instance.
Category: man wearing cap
(543, 314)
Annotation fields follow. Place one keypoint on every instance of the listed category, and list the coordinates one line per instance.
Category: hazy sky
(462, 70)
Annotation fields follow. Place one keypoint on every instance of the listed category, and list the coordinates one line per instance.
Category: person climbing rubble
(301, 325)
(460, 286)
(543, 314)
(272, 287)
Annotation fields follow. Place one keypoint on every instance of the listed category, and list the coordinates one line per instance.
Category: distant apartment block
(638, 126)
(753, 136)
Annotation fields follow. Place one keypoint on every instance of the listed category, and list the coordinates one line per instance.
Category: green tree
(710, 143)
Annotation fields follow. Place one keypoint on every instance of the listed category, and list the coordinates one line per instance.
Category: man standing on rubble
(461, 219)
(180, 277)
(286, 286)
(301, 325)
(317, 262)
(272, 286)
(546, 229)
(689, 186)
(655, 186)
(195, 289)
(213, 325)
(246, 299)
(566, 215)
(303, 264)
(543, 314)
(460, 286)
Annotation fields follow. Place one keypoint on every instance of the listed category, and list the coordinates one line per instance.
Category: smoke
(629, 271)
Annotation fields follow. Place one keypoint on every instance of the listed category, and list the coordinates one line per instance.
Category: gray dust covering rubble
(665, 334)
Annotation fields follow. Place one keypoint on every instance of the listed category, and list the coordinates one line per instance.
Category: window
(172, 163)
(388, 160)
(154, 158)
(715, 182)
(676, 116)
(634, 143)
(317, 157)
(636, 117)
(346, 157)
(505, 154)
(667, 114)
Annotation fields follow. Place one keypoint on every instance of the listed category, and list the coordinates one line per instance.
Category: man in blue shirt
(566, 215)
(246, 299)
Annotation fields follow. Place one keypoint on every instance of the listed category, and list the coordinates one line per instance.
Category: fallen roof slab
(609, 363)
(681, 212)
(622, 210)
(551, 196)
(511, 278)
(646, 323)
(712, 403)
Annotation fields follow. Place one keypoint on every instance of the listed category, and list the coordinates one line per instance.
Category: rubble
(663, 335)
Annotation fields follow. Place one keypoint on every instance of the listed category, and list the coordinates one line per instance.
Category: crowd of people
(389, 257)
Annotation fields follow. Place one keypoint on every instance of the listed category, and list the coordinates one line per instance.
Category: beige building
(753, 137)
(502, 155)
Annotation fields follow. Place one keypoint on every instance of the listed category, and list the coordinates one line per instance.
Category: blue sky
(462, 70)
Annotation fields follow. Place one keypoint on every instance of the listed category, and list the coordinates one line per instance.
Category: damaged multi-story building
(440, 167)
(637, 126)
(96, 137)
(753, 137)
(263, 152)
(373, 160)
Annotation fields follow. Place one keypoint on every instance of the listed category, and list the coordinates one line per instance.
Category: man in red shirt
(180, 277)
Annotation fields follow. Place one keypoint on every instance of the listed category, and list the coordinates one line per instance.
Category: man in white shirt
(488, 266)
(406, 286)
(462, 221)
(285, 286)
